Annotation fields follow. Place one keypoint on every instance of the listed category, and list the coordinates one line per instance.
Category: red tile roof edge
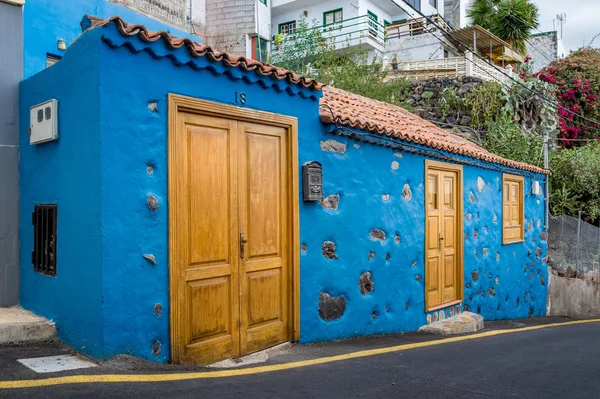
(349, 109)
(199, 50)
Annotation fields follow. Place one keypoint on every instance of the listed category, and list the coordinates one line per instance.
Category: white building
(543, 48)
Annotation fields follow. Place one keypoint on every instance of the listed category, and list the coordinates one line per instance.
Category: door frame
(429, 164)
(178, 103)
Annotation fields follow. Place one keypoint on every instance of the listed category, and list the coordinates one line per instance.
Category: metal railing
(453, 67)
(575, 244)
(418, 26)
(348, 32)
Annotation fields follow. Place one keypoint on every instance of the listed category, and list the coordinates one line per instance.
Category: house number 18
(240, 98)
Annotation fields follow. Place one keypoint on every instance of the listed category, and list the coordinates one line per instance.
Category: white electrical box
(536, 189)
(43, 122)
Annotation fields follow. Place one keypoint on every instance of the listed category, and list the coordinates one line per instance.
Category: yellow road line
(112, 378)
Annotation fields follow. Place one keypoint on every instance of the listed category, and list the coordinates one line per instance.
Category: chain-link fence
(573, 247)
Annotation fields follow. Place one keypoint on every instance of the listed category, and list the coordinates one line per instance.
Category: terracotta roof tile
(345, 108)
(202, 50)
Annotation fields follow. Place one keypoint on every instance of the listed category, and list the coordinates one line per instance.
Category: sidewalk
(11, 369)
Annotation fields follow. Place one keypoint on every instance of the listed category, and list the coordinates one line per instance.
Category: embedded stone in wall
(469, 217)
(153, 106)
(397, 239)
(395, 165)
(398, 155)
(491, 291)
(330, 202)
(304, 247)
(152, 202)
(475, 275)
(156, 347)
(331, 308)
(406, 193)
(158, 309)
(371, 255)
(539, 223)
(538, 252)
(495, 219)
(387, 257)
(365, 283)
(498, 256)
(542, 281)
(497, 280)
(377, 234)
(418, 277)
(472, 197)
(150, 258)
(485, 251)
(328, 250)
(149, 169)
(480, 184)
(530, 225)
(475, 233)
(385, 197)
(333, 146)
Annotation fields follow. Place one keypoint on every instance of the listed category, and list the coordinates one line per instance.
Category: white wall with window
(315, 14)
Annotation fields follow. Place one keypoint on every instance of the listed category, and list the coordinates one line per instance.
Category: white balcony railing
(349, 32)
(455, 67)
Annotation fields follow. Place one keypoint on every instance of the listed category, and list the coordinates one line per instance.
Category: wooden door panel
(265, 290)
(208, 190)
(213, 319)
(265, 269)
(207, 261)
(263, 175)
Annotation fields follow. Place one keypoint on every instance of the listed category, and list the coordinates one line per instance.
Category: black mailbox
(312, 181)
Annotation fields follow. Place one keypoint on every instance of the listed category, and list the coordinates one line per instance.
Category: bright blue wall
(66, 172)
(46, 21)
(134, 137)
(361, 177)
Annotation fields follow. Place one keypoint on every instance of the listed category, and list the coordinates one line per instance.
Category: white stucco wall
(544, 49)
(315, 12)
(415, 48)
(263, 19)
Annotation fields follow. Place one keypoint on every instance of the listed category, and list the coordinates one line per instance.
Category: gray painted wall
(572, 297)
(11, 72)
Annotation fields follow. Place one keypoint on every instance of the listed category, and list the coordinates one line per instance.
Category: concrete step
(19, 325)
(466, 322)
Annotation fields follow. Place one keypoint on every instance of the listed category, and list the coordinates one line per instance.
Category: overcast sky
(582, 20)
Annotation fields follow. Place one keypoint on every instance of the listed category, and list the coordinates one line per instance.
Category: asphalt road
(558, 362)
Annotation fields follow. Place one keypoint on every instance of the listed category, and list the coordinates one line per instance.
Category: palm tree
(510, 20)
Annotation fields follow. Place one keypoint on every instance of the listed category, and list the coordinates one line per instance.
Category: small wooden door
(443, 234)
(230, 238)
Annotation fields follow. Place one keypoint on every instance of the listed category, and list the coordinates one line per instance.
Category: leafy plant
(306, 52)
(576, 172)
(505, 138)
(510, 20)
(576, 81)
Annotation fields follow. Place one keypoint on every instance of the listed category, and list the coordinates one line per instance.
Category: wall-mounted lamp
(305, 13)
(62, 45)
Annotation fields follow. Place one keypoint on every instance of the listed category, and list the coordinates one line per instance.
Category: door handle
(243, 241)
(440, 239)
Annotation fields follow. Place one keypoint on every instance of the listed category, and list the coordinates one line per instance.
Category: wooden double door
(230, 237)
(443, 235)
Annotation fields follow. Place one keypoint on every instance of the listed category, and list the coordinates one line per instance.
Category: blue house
(198, 206)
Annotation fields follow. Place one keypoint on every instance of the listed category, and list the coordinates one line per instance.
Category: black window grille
(43, 256)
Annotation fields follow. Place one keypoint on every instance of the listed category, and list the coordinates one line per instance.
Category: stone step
(466, 322)
(20, 325)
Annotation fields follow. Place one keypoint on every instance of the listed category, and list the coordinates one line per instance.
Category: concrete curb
(19, 325)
